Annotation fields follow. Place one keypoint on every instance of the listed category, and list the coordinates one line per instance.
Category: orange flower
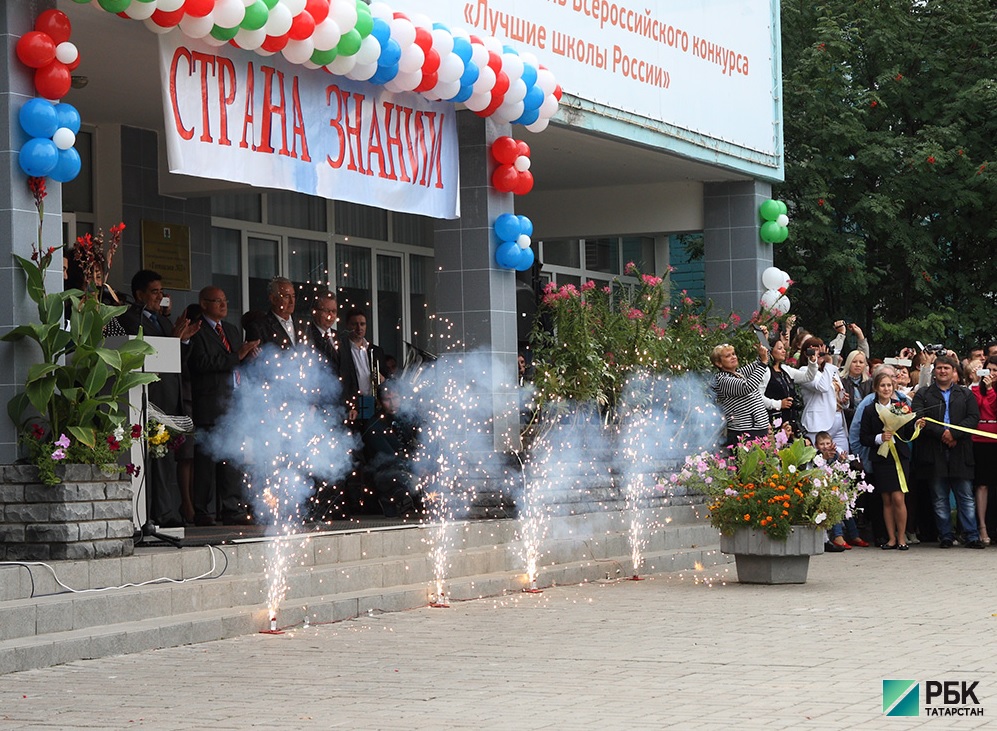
(747, 517)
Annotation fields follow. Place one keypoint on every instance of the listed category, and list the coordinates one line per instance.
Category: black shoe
(976, 544)
(903, 547)
(833, 548)
(945, 543)
(889, 546)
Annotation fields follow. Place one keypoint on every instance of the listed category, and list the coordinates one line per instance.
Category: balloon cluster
(52, 127)
(775, 228)
(368, 43)
(776, 282)
(513, 233)
(513, 172)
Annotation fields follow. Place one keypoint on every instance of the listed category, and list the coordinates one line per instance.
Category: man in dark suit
(147, 314)
(278, 327)
(216, 351)
(321, 333)
(947, 454)
(362, 368)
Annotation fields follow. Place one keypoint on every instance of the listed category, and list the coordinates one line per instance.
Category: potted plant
(772, 499)
(72, 413)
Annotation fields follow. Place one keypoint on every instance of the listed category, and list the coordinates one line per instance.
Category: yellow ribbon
(977, 432)
(896, 458)
(896, 461)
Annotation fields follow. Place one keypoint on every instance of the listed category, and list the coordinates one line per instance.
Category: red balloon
(318, 9)
(428, 82)
(475, 39)
(302, 26)
(275, 43)
(524, 182)
(56, 24)
(168, 19)
(522, 148)
(397, 15)
(432, 63)
(423, 39)
(504, 150)
(501, 84)
(76, 63)
(199, 8)
(504, 178)
(557, 92)
(53, 81)
(493, 106)
(36, 49)
(494, 61)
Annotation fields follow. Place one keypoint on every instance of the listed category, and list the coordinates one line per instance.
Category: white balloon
(530, 58)
(774, 278)
(446, 89)
(141, 11)
(486, 80)
(777, 303)
(309, 64)
(193, 27)
(522, 163)
(509, 111)
(298, 51)
(155, 27)
(381, 10)
(250, 39)
(295, 6)
(247, 3)
(782, 219)
(442, 41)
(451, 68)
(523, 241)
(408, 80)
(370, 51)
(546, 81)
(227, 13)
(479, 55)
(64, 138)
(460, 33)
(168, 6)
(513, 66)
(549, 108)
(403, 31)
(539, 126)
(477, 102)
(421, 20)
(493, 44)
(66, 52)
(342, 65)
(344, 12)
(517, 91)
(212, 41)
(279, 21)
(327, 35)
(412, 58)
(362, 73)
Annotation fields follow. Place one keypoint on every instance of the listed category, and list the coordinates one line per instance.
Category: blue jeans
(848, 526)
(965, 504)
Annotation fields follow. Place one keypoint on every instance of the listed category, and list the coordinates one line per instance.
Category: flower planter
(88, 515)
(763, 560)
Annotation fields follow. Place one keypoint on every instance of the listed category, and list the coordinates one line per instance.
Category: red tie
(221, 333)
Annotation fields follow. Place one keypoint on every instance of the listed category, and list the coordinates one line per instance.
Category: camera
(982, 372)
(810, 352)
(937, 349)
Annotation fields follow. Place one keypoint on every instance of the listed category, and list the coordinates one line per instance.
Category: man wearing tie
(278, 327)
(147, 314)
(362, 368)
(216, 350)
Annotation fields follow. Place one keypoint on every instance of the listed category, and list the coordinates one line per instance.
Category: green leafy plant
(79, 388)
(772, 484)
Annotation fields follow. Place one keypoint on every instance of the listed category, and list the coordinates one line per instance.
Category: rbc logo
(941, 698)
(900, 698)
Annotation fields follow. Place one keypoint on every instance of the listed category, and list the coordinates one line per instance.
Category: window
(264, 262)
(226, 268)
(561, 252)
(389, 304)
(308, 268)
(353, 277)
(240, 206)
(296, 210)
(422, 299)
(365, 222)
(411, 229)
(603, 255)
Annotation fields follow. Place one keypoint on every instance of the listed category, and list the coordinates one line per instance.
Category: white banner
(233, 115)
(708, 68)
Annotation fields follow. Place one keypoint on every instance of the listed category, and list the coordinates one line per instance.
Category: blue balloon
(68, 117)
(38, 157)
(510, 49)
(529, 75)
(462, 47)
(463, 95)
(525, 226)
(440, 26)
(381, 31)
(525, 259)
(384, 74)
(507, 255)
(68, 166)
(507, 227)
(470, 75)
(528, 117)
(534, 98)
(391, 52)
(38, 118)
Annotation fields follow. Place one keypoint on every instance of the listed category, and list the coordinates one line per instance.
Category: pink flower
(62, 441)
(607, 290)
(635, 314)
(59, 454)
(650, 280)
(630, 268)
(588, 286)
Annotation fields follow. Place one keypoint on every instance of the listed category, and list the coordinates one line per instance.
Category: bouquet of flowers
(162, 439)
(894, 417)
(772, 484)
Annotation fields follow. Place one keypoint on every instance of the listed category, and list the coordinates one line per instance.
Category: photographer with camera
(779, 385)
(837, 345)
(821, 409)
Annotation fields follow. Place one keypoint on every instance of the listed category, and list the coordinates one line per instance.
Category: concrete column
(472, 292)
(18, 217)
(735, 255)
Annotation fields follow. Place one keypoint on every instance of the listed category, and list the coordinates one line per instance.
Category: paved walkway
(685, 651)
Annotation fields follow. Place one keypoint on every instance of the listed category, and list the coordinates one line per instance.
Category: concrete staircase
(219, 592)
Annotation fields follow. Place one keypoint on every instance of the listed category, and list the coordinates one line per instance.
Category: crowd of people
(825, 393)
(196, 488)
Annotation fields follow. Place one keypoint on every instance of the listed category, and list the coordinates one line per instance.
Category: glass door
(390, 328)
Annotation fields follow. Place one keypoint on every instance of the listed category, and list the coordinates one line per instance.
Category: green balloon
(256, 16)
(769, 231)
(114, 6)
(271, 3)
(365, 23)
(349, 44)
(782, 235)
(321, 58)
(783, 209)
(224, 34)
(769, 210)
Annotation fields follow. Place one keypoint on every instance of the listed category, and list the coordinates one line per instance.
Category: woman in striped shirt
(737, 392)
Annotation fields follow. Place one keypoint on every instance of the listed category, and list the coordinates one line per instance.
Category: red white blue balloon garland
(51, 126)
(403, 53)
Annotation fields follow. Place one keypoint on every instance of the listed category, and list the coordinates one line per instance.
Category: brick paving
(690, 650)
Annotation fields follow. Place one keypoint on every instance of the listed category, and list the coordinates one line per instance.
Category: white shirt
(288, 327)
(361, 361)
